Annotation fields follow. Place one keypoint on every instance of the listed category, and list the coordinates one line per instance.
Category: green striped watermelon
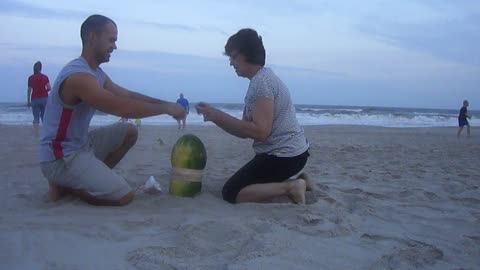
(188, 160)
(189, 153)
(184, 188)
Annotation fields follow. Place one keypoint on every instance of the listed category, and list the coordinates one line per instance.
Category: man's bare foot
(310, 184)
(296, 191)
(55, 192)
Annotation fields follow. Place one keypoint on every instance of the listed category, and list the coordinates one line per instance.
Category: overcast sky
(407, 53)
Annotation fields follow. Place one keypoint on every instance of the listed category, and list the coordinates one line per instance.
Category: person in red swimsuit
(37, 94)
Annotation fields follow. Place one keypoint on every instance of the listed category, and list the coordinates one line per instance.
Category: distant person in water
(463, 117)
(279, 143)
(37, 93)
(184, 102)
(138, 122)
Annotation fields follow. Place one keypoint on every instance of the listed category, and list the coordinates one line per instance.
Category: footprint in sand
(410, 254)
(417, 194)
(467, 201)
(431, 196)
(474, 238)
(359, 191)
(476, 215)
(396, 176)
(454, 187)
(155, 257)
(359, 177)
(206, 245)
(51, 265)
(321, 226)
(312, 197)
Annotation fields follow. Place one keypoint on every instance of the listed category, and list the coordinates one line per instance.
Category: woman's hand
(209, 113)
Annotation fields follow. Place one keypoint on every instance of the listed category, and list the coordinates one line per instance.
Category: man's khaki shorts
(85, 169)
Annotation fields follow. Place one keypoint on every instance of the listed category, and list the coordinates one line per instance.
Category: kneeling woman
(269, 119)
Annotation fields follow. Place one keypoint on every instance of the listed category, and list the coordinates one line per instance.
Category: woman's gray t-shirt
(287, 138)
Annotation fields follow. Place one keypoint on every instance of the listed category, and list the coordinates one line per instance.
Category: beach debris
(152, 186)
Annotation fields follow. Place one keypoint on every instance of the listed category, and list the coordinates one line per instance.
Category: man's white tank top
(65, 127)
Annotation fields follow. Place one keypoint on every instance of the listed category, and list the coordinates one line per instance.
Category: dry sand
(386, 198)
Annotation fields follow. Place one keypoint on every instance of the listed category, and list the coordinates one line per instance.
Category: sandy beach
(385, 198)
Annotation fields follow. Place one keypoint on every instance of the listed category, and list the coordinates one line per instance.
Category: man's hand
(29, 104)
(176, 111)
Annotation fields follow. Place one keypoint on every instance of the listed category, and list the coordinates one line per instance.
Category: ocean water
(20, 114)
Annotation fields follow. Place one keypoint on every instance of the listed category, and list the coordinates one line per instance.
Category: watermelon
(184, 188)
(188, 160)
(189, 153)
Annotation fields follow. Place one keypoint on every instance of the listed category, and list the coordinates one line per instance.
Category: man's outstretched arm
(118, 90)
(84, 87)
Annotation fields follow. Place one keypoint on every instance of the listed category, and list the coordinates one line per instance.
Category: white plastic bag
(152, 186)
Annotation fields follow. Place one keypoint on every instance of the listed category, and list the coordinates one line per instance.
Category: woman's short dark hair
(93, 23)
(37, 67)
(249, 43)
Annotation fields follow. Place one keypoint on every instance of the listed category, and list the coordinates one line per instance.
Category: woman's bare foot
(296, 191)
(55, 192)
(310, 184)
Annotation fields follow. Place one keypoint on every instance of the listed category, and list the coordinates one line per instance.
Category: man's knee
(128, 198)
(131, 135)
(88, 198)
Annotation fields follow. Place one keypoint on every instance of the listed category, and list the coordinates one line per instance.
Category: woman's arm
(258, 128)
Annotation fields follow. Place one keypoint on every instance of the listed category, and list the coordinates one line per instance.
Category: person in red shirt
(38, 87)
